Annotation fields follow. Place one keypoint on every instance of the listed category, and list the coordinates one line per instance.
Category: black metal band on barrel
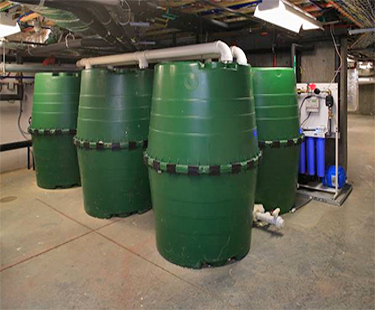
(276, 144)
(196, 170)
(113, 146)
(51, 132)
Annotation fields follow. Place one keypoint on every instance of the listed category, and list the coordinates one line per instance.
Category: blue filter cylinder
(302, 159)
(310, 150)
(320, 157)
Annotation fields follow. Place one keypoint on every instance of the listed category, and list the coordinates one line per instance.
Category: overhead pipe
(116, 6)
(87, 17)
(206, 50)
(184, 21)
(117, 31)
(36, 68)
(74, 43)
(5, 77)
(239, 54)
(360, 31)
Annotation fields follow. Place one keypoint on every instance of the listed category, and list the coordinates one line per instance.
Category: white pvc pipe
(260, 215)
(200, 51)
(38, 68)
(270, 219)
(239, 54)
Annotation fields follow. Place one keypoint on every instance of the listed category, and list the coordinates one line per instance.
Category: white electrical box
(312, 104)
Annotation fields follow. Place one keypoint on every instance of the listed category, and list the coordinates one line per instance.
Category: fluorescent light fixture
(8, 26)
(286, 15)
(8, 30)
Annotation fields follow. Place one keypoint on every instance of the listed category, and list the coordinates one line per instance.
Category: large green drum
(279, 136)
(53, 125)
(112, 132)
(202, 158)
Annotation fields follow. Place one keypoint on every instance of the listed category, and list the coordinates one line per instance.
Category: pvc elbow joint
(239, 54)
(225, 52)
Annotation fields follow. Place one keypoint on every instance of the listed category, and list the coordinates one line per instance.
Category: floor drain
(8, 198)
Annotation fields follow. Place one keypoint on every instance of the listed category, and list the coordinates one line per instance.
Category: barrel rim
(282, 143)
(196, 170)
(51, 131)
(114, 146)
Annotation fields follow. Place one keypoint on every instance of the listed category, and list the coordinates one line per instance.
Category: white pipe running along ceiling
(198, 51)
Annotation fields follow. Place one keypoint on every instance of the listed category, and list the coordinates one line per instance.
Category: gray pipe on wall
(37, 68)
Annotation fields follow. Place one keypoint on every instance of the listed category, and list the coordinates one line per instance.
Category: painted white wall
(9, 132)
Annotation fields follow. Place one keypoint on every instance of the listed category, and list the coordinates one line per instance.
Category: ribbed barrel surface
(54, 121)
(202, 154)
(278, 128)
(111, 136)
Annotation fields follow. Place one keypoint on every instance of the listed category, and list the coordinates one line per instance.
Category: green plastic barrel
(53, 125)
(112, 133)
(279, 137)
(202, 158)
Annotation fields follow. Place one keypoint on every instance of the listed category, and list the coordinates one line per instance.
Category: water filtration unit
(318, 106)
(202, 156)
(53, 125)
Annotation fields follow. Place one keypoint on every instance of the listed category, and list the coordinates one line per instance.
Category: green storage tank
(53, 125)
(279, 136)
(112, 131)
(202, 158)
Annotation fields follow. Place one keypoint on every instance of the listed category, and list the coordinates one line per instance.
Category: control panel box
(314, 108)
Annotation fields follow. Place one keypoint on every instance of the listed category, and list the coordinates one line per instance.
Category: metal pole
(343, 108)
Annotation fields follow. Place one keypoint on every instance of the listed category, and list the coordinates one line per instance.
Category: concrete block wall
(318, 66)
(366, 99)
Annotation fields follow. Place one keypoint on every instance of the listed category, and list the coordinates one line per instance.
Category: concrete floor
(54, 256)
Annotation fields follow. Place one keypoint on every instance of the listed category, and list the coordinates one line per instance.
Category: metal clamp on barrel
(282, 143)
(196, 170)
(51, 132)
(114, 146)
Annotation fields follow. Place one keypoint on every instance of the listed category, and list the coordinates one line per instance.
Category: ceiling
(74, 29)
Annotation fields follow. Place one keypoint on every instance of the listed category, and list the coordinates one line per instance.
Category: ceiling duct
(86, 17)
